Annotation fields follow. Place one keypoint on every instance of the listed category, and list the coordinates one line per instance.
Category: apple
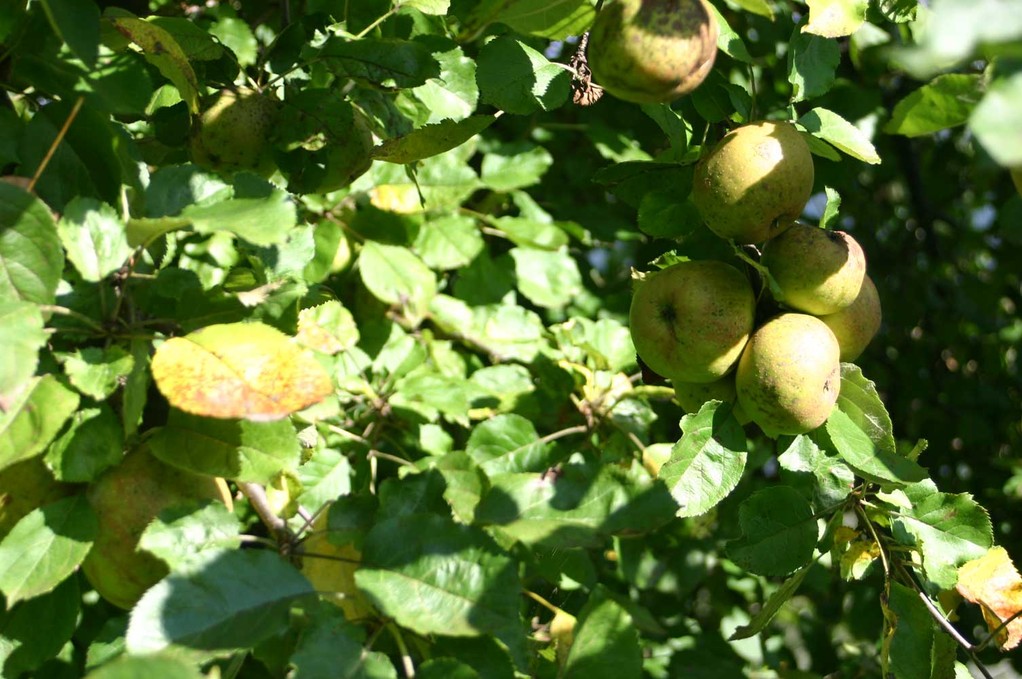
(690, 321)
(232, 132)
(126, 498)
(817, 270)
(691, 396)
(754, 182)
(856, 324)
(789, 375)
(652, 52)
(331, 569)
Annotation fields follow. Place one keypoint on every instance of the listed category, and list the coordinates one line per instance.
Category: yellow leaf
(239, 371)
(993, 583)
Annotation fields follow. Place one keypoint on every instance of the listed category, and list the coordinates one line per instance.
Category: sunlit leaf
(946, 101)
(835, 130)
(238, 370)
(949, 530)
(31, 258)
(33, 418)
(431, 140)
(21, 336)
(835, 18)
(161, 50)
(993, 583)
(232, 599)
(708, 461)
(45, 547)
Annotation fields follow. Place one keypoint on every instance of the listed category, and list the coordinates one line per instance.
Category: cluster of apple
(696, 322)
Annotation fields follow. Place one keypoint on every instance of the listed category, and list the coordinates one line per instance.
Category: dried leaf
(993, 582)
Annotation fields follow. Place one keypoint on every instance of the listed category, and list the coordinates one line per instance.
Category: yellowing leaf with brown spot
(239, 371)
(993, 583)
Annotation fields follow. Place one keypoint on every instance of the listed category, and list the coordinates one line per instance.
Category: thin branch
(406, 658)
(56, 142)
(256, 495)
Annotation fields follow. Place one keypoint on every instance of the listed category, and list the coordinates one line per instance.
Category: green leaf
(87, 162)
(707, 462)
(146, 667)
(162, 51)
(508, 443)
(548, 279)
(431, 139)
(31, 259)
(395, 275)
(767, 612)
(448, 242)
(93, 441)
(94, 238)
(532, 233)
(804, 463)
(516, 78)
(760, 7)
(46, 546)
(515, 166)
(728, 41)
(387, 62)
(21, 336)
(232, 600)
(778, 532)
(949, 529)
(33, 418)
(868, 459)
(177, 535)
(239, 450)
(946, 101)
(232, 32)
(445, 668)
(553, 19)
(859, 400)
(576, 506)
(332, 648)
(77, 24)
(812, 62)
(97, 372)
(437, 577)
(835, 18)
(24, 643)
(260, 221)
(909, 646)
(606, 643)
(834, 129)
(997, 119)
(453, 93)
(832, 211)
(667, 214)
(505, 331)
(435, 7)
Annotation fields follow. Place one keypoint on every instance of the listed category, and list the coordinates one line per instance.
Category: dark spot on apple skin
(666, 313)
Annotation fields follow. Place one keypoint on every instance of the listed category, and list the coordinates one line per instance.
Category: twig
(406, 658)
(256, 495)
(56, 142)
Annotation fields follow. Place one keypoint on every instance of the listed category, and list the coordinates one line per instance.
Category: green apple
(817, 270)
(754, 182)
(690, 321)
(789, 375)
(126, 498)
(856, 324)
(691, 396)
(232, 132)
(652, 52)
